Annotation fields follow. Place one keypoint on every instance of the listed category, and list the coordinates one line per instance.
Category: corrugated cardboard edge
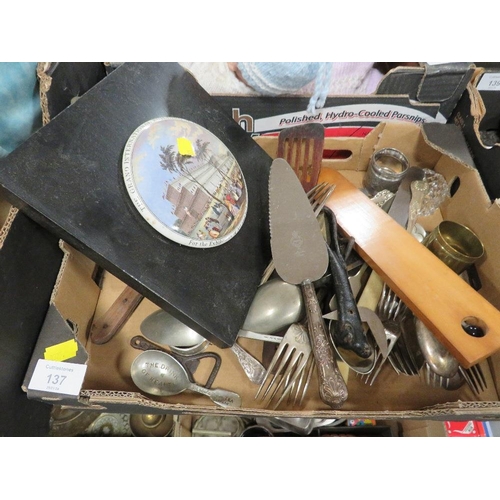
(45, 82)
(131, 402)
(4, 231)
(477, 107)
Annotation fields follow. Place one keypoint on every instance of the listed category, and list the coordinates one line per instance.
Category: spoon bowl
(276, 305)
(356, 363)
(159, 374)
(162, 328)
(439, 359)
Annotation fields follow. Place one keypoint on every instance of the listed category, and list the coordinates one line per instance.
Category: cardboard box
(478, 116)
(106, 384)
(416, 95)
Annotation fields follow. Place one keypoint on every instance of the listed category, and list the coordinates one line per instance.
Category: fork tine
(402, 359)
(394, 364)
(392, 339)
(470, 381)
(310, 368)
(316, 194)
(285, 373)
(379, 362)
(287, 376)
(276, 357)
(296, 386)
(282, 355)
(299, 389)
(476, 377)
(313, 192)
(297, 367)
(288, 364)
(480, 376)
(320, 202)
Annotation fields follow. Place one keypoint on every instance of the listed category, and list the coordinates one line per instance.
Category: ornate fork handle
(251, 366)
(332, 387)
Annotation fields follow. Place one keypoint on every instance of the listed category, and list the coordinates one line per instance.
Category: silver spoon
(162, 328)
(159, 374)
(377, 336)
(439, 359)
(276, 305)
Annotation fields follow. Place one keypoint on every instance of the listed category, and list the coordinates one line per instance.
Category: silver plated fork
(287, 366)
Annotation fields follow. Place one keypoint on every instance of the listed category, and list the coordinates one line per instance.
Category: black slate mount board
(68, 178)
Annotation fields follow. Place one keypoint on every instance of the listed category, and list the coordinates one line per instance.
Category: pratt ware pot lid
(185, 182)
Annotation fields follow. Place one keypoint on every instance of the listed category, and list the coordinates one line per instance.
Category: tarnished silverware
(160, 374)
(317, 196)
(161, 327)
(252, 367)
(287, 365)
(300, 255)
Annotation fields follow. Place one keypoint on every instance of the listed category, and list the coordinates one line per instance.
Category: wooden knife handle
(111, 322)
(332, 387)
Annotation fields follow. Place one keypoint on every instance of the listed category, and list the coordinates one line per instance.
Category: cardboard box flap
(484, 111)
(64, 331)
(7, 215)
(56, 331)
(74, 288)
(449, 140)
(478, 116)
(442, 83)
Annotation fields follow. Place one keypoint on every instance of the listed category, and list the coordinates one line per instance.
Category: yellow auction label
(185, 147)
(62, 351)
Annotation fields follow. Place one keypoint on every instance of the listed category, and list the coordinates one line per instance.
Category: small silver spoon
(159, 374)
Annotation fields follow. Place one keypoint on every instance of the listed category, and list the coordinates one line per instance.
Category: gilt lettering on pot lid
(185, 182)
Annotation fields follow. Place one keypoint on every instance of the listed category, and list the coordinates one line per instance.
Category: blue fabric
(20, 113)
(275, 78)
